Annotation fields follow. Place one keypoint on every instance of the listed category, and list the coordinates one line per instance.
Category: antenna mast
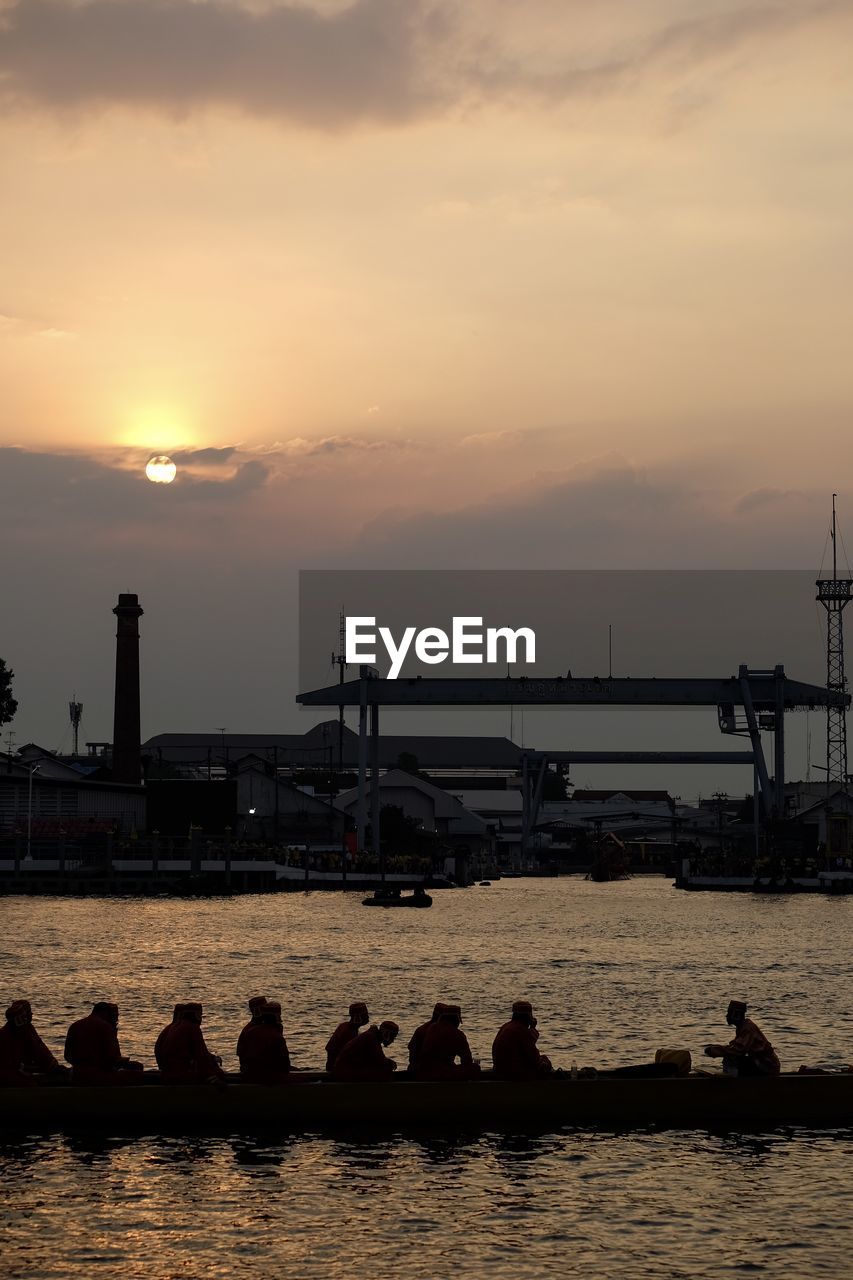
(75, 715)
(834, 594)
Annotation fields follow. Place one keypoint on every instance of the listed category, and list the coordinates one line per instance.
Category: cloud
(764, 499)
(207, 555)
(301, 447)
(249, 476)
(609, 514)
(673, 48)
(358, 64)
(14, 326)
(210, 457)
(498, 439)
(55, 335)
(55, 492)
(385, 61)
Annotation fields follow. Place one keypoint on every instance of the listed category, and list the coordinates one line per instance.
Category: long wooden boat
(706, 1102)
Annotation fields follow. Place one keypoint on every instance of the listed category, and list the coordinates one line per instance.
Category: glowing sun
(160, 469)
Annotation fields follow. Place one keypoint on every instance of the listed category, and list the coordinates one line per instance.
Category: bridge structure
(747, 704)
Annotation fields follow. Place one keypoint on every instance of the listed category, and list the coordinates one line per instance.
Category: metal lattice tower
(75, 714)
(834, 593)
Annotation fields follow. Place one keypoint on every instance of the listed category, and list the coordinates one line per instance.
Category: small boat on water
(311, 1104)
(610, 861)
(392, 897)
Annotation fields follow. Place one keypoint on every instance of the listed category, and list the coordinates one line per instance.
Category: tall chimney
(127, 763)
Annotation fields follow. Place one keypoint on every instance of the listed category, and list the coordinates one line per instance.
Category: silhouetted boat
(703, 1102)
(611, 860)
(394, 898)
(601, 874)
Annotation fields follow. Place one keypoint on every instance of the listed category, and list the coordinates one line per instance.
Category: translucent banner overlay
(591, 624)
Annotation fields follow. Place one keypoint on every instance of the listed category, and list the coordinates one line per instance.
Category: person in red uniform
(184, 1057)
(417, 1040)
(92, 1048)
(443, 1043)
(161, 1039)
(255, 1005)
(23, 1053)
(514, 1051)
(750, 1053)
(362, 1059)
(346, 1031)
(262, 1048)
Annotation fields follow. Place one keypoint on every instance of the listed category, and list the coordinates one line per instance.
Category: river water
(614, 971)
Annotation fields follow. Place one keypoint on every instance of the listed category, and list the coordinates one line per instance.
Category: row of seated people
(438, 1050)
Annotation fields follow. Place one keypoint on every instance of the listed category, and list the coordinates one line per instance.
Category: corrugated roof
(489, 801)
(446, 805)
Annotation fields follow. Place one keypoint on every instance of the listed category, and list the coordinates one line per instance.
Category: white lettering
(432, 645)
(397, 653)
(461, 637)
(511, 639)
(353, 637)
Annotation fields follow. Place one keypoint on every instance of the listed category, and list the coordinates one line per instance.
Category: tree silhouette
(8, 705)
(408, 762)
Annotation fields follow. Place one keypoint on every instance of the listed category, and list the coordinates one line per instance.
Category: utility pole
(35, 769)
(339, 660)
(722, 800)
(834, 594)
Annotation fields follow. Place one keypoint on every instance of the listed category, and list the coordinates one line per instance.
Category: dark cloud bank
(217, 578)
(385, 61)
(613, 514)
(289, 61)
(55, 490)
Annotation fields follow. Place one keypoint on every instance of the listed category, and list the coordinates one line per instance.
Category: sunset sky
(489, 284)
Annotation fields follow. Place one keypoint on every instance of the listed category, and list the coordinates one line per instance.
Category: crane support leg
(755, 739)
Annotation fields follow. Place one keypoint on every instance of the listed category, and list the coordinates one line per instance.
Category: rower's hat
(452, 1011)
(193, 1009)
(256, 1003)
(19, 1011)
(388, 1026)
(358, 1007)
(522, 1006)
(177, 1011)
(438, 1010)
(737, 1006)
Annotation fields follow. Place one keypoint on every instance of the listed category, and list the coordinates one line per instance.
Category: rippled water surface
(614, 971)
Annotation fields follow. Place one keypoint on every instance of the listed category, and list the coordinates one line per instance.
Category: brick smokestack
(127, 763)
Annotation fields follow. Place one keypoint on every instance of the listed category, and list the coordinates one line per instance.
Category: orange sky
(631, 225)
